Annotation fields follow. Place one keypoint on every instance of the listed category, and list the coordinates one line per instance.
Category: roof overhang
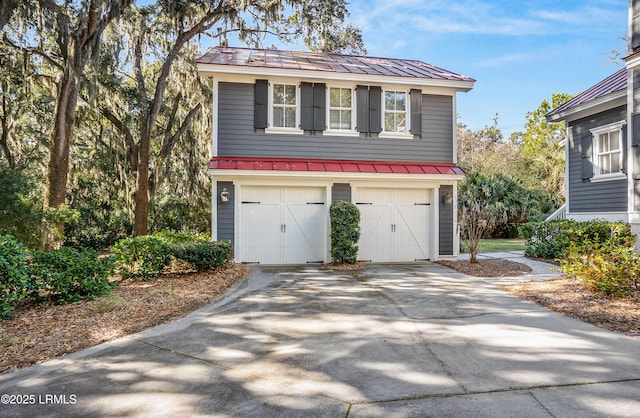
(601, 104)
(217, 70)
(632, 61)
(236, 167)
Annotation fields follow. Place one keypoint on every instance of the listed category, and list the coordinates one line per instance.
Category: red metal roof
(613, 83)
(334, 166)
(318, 61)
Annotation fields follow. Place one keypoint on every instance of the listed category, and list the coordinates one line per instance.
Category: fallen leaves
(39, 333)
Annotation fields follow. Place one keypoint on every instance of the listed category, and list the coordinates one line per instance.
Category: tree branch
(169, 143)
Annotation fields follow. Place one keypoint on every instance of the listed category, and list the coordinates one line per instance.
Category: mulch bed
(39, 333)
(488, 268)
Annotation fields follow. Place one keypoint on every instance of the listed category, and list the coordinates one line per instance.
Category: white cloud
(505, 60)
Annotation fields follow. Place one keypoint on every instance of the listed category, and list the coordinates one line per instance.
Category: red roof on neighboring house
(320, 61)
(615, 82)
(336, 166)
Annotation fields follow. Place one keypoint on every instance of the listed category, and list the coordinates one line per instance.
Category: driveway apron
(391, 340)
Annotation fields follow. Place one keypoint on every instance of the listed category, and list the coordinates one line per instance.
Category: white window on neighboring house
(608, 151)
(395, 111)
(340, 108)
(284, 106)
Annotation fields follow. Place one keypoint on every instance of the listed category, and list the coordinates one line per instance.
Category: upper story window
(284, 106)
(395, 111)
(608, 151)
(340, 108)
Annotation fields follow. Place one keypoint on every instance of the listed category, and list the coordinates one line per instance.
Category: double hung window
(340, 108)
(284, 106)
(395, 111)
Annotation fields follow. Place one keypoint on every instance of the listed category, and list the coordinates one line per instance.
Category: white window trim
(407, 127)
(344, 132)
(283, 130)
(595, 132)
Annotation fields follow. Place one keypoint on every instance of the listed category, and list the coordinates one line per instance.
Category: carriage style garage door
(282, 225)
(394, 224)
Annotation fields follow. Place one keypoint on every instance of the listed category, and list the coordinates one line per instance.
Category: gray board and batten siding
(237, 136)
(445, 222)
(584, 195)
(225, 212)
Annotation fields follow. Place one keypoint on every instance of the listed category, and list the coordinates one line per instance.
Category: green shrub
(204, 255)
(14, 279)
(172, 238)
(613, 270)
(67, 275)
(345, 232)
(552, 239)
(142, 257)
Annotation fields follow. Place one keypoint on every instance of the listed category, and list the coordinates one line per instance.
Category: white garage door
(394, 224)
(282, 225)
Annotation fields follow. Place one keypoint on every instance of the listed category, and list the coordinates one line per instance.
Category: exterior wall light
(224, 195)
(447, 199)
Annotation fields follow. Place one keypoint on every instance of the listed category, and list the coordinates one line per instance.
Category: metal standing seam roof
(327, 62)
(615, 82)
(336, 166)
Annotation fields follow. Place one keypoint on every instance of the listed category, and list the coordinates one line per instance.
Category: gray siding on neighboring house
(587, 196)
(445, 222)
(225, 212)
(341, 191)
(238, 138)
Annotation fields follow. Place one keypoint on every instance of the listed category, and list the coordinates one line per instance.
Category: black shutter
(306, 106)
(416, 112)
(635, 135)
(587, 155)
(375, 109)
(319, 107)
(261, 104)
(362, 113)
(623, 144)
(635, 25)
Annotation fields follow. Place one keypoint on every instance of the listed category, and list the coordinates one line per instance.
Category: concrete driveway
(392, 341)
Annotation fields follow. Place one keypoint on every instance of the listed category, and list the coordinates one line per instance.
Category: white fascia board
(217, 70)
(610, 101)
(607, 216)
(229, 175)
(634, 62)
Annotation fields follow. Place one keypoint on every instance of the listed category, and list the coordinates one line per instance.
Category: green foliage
(345, 232)
(204, 255)
(14, 279)
(552, 239)
(20, 213)
(184, 237)
(173, 213)
(610, 269)
(141, 257)
(68, 275)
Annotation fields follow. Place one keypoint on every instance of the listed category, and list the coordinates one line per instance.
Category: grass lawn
(495, 245)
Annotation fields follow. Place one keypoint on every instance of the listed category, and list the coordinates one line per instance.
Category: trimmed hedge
(345, 232)
(204, 255)
(553, 239)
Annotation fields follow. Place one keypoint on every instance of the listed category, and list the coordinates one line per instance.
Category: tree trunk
(141, 213)
(58, 170)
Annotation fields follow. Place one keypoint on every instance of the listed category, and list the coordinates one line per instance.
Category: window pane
(345, 117)
(603, 142)
(614, 140)
(389, 122)
(290, 94)
(290, 117)
(334, 119)
(401, 101)
(615, 162)
(346, 97)
(334, 97)
(389, 100)
(401, 122)
(605, 167)
(278, 117)
(278, 94)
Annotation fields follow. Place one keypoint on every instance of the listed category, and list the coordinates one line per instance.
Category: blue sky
(520, 52)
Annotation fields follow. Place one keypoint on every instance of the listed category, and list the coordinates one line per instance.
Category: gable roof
(327, 65)
(608, 89)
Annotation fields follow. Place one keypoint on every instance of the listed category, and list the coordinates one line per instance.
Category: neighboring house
(294, 131)
(603, 142)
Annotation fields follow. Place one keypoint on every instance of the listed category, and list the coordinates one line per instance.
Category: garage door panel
(394, 224)
(282, 224)
(304, 234)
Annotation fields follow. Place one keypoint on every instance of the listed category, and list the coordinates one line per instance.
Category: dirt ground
(39, 333)
(564, 295)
